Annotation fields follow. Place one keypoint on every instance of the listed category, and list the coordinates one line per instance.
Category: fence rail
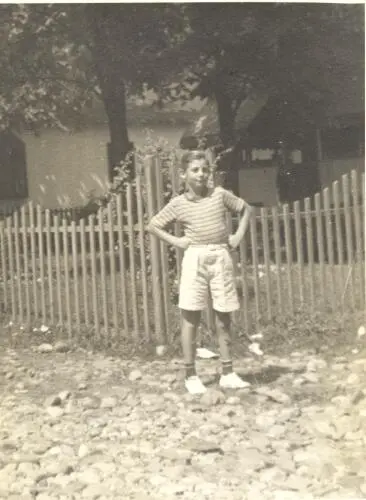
(104, 273)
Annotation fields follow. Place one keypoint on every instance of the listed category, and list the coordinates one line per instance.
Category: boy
(206, 263)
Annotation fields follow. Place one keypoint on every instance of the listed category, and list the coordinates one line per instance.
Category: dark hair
(190, 156)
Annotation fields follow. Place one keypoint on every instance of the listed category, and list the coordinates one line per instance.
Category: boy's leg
(190, 322)
(229, 379)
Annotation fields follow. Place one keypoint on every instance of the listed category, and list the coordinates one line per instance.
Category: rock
(363, 488)
(212, 398)
(135, 375)
(89, 476)
(315, 365)
(55, 411)
(251, 459)
(176, 454)
(265, 421)
(202, 446)
(357, 397)
(311, 377)
(108, 402)
(61, 347)
(53, 401)
(233, 400)
(161, 350)
(44, 348)
(274, 394)
(89, 403)
(64, 395)
(353, 379)
(83, 451)
(169, 377)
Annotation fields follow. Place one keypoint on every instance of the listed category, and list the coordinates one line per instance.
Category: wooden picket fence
(102, 273)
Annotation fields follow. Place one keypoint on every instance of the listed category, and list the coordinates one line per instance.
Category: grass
(317, 326)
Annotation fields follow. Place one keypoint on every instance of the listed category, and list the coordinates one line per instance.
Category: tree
(127, 41)
(288, 50)
(45, 66)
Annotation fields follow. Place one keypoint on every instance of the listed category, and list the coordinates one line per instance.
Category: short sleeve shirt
(203, 220)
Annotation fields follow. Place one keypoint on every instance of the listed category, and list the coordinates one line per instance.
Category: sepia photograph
(182, 251)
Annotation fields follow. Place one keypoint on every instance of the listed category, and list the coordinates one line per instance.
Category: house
(279, 162)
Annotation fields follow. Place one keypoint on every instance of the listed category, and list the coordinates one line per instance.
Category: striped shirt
(203, 220)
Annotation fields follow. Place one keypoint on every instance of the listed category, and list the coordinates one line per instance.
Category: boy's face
(197, 174)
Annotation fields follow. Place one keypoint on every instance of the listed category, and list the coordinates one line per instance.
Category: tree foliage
(45, 65)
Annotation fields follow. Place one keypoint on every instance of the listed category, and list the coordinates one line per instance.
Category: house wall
(332, 170)
(258, 185)
(64, 170)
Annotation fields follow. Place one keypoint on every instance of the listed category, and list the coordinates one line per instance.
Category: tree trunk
(112, 86)
(231, 160)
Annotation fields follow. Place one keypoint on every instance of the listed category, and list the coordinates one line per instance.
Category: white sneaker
(233, 381)
(194, 385)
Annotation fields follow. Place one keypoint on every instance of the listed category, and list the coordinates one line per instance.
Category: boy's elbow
(250, 209)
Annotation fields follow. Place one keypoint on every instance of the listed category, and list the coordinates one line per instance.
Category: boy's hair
(190, 156)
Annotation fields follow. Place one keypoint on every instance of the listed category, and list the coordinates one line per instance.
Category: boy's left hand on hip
(233, 241)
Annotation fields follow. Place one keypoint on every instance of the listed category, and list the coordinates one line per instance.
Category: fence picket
(143, 256)
(350, 257)
(65, 248)
(4, 266)
(358, 233)
(84, 272)
(132, 270)
(41, 262)
(103, 279)
(75, 274)
(278, 257)
(163, 249)
(11, 268)
(113, 294)
(320, 245)
(244, 283)
(363, 206)
(18, 267)
(24, 226)
(93, 266)
(33, 257)
(310, 249)
(56, 232)
(253, 242)
(339, 236)
(267, 261)
(177, 229)
(299, 251)
(287, 227)
(50, 307)
(122, 263)
(155, 256)
(330, 251)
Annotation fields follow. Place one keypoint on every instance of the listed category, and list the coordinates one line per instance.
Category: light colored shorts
(204, 268)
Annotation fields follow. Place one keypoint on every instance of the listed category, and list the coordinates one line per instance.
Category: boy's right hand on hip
(183, 242)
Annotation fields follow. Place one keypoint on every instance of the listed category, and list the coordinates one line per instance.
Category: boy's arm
(160, 221)
(235, 239)
(238, 205)
(169, 238)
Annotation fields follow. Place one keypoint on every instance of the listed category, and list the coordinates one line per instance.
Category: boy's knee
(191, 317)
(223, 320)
